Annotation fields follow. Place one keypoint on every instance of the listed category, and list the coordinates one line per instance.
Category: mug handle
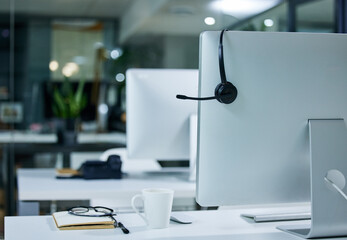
(136, 209)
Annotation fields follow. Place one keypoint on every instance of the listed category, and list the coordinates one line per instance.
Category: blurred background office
(47, 47)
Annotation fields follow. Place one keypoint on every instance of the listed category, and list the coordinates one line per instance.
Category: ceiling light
(120, 77)
(53, 66)
(242, 8)
(103, 108)
(75, 23)
(268, 22)
(210, 21)
(70, 69)
(116, 53)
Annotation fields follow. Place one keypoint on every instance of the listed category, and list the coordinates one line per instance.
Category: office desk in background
(223, 224)
(38, 185)
(30, 143)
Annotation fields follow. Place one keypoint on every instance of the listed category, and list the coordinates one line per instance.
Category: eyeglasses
(98, 211)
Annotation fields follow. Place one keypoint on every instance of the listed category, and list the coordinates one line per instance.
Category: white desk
(224, 224)
(13, 142)
(29, 137)
(36, 185)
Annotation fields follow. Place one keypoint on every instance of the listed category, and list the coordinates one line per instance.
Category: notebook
(66, 221)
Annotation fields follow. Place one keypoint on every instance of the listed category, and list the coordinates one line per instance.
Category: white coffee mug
(157, 204)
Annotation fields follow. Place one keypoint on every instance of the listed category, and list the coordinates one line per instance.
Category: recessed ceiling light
(70, 69)
(103, 108)
(210, 21)
(268, 22)
(53, 66)
(116, 53)
(242, 8)
(120, 77)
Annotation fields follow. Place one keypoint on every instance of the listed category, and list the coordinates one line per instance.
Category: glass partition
(316, 16)
(306, 16)
(273, 20)
(10, 112)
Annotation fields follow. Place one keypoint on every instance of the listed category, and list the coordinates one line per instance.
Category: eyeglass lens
(100, 211)
(103, 210)
(80, 209)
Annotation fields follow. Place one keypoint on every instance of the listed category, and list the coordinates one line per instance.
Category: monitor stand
(174, 166)
(328, 159)
(276, 217)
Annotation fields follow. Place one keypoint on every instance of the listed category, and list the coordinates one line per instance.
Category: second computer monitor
(256, 149)
(158, 124)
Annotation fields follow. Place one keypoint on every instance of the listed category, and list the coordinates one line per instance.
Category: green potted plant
(67, 106)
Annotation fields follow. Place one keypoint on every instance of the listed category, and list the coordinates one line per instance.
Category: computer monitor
(158, 124)
(256, 149)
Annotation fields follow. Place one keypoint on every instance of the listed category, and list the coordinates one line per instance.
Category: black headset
(225, 91)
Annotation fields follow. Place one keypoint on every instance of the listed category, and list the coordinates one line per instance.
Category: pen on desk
(124, 229)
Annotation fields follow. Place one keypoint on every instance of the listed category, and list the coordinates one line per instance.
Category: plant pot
(66, 131)
(67, 137)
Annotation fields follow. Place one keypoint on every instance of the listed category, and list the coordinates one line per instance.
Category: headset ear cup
(225, 93)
